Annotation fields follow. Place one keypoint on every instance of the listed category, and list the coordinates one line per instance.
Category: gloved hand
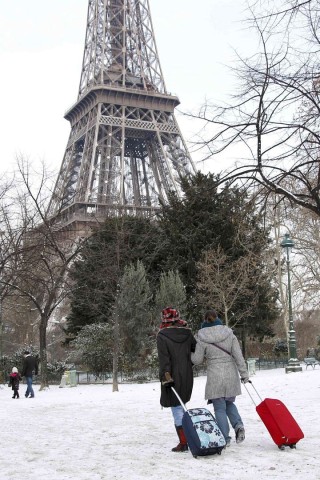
(245, 380)
(168, 380)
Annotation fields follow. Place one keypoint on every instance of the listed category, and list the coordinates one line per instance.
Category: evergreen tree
(132, 307)
(205, 219)
(94, 347)
(171, 292)
(97, 272)
(208, 218)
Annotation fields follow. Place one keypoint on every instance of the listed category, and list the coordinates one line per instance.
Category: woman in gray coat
(217, 344)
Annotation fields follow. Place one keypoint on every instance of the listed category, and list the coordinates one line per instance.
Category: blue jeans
(29, 390)
(224, 409)
(177, 413)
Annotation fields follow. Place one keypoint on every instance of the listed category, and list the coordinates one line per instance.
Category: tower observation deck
(125, 151)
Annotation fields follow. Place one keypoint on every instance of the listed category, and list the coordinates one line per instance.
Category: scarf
(211, 324)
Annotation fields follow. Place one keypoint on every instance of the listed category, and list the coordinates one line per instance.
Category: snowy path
(90, 433)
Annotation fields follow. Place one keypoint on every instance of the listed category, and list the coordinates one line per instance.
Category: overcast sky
(41, 48)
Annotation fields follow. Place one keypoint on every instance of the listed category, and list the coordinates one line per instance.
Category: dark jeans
(29, 390)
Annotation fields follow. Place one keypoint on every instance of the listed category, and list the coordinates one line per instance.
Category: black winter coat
(30, 366)
(175, 345)
(14, 380)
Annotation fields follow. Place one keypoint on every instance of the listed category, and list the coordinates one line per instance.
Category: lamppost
(293, 363)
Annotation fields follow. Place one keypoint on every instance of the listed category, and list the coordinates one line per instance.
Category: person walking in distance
(30, 367)
(217, 344)
(14, 380)
(175, 343)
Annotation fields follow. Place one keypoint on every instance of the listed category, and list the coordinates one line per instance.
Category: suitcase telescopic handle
(178, 397)
(254, 388)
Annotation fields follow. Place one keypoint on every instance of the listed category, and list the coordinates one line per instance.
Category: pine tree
(171, 292)
(133, 309)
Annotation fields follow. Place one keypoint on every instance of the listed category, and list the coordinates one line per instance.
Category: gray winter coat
(223, 370)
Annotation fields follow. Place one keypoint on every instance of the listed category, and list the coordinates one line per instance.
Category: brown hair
(210, 315)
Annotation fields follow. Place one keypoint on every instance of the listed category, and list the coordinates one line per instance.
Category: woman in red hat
(175, 343)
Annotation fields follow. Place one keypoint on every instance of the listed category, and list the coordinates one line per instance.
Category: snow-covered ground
(90, 433)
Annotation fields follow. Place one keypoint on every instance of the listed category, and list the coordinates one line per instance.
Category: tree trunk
(43, 353)
(244, 339)
(115, 363)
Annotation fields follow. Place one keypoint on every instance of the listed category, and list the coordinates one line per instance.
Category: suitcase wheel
(293, 445)
(281, 447)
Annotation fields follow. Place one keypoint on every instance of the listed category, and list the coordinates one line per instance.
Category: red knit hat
(170, 316)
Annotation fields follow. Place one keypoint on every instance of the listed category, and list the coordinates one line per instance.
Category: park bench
(311, 361)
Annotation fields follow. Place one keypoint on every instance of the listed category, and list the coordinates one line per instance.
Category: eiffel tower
(125, 151)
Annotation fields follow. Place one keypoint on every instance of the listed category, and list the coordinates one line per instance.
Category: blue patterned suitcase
(203, 435)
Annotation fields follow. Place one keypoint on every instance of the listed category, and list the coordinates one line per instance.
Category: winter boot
(240, 434)
(182, 445)
(228, 442)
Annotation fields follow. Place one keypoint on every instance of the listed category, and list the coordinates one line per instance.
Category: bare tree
(274, 117)
(307, 328)
(305, 257)
(11, 240)
(222, 283)
(304, 267)
(44, 255)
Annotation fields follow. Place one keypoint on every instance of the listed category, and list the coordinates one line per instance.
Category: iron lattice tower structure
(125, 151)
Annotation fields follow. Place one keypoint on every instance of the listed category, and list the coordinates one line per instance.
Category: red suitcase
(281, 425)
